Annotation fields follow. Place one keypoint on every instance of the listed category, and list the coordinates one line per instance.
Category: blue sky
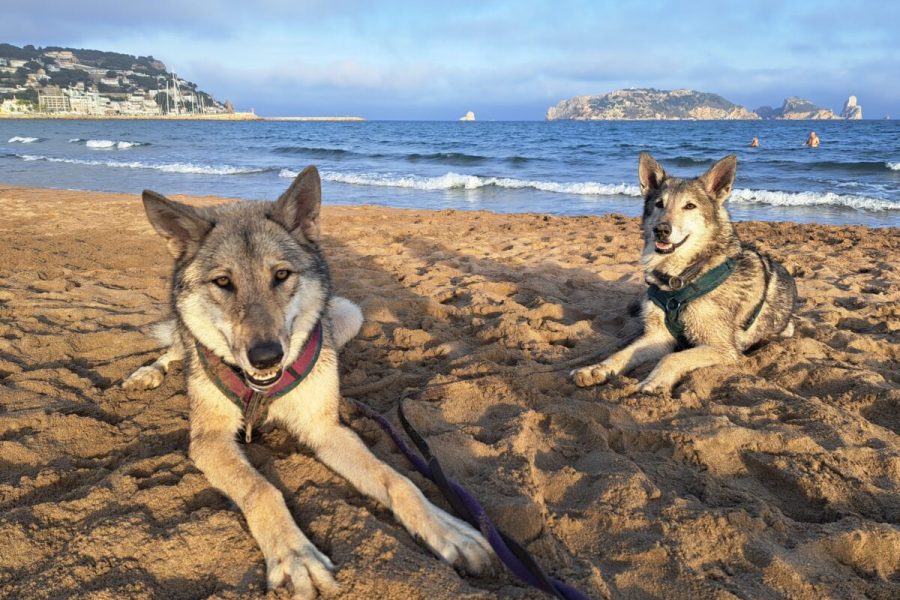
(503, 60)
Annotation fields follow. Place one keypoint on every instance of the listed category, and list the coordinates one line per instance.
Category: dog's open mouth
(669, 247)
(263, 379)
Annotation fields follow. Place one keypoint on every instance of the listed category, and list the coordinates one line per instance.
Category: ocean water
(564, 168)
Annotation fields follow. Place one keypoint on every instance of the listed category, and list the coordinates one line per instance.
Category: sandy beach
(776, 479)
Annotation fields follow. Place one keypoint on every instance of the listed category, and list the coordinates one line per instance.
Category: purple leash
(519, 562)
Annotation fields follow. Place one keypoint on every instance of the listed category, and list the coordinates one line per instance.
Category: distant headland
(75, 83)
(652, 104)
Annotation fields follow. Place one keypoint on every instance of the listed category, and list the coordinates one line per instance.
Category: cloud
(396, 59)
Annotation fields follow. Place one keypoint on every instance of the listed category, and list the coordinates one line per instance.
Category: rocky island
(673, 105)
(852, 109)
(649, 104)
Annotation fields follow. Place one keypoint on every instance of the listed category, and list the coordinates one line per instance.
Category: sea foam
(456, 181)
(18, 139)
(775, 198)
(110, 144)
(186, 168)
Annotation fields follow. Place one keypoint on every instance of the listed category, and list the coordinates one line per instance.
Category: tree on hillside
(10, 51)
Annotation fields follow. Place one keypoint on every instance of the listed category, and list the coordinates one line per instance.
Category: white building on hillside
(84, 103)
(64, 58)
(52, 100)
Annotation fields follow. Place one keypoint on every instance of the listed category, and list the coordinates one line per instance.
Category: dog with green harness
(709, 297)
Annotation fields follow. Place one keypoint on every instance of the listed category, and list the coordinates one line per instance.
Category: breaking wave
(774, 198)
(109, 144)
(456, 181)
(186, 168)
(18, 139)
(893, 166)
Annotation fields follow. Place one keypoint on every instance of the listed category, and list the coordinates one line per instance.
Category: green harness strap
(673, 302)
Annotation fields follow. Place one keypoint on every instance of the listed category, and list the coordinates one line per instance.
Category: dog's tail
(164, 332)
(346, 320)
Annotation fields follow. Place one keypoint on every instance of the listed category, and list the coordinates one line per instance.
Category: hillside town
(82, 83)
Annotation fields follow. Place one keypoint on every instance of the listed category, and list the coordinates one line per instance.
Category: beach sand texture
(778, 479)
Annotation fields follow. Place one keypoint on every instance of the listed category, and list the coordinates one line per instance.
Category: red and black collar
(253, 404)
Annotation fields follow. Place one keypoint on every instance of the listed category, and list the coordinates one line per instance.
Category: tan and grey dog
(252, 299)
(709, 296)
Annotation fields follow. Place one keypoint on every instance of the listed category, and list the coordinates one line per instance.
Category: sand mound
(777, 479)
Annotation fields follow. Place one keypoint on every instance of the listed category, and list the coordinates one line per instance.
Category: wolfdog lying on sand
(259, 329)
(709, 296)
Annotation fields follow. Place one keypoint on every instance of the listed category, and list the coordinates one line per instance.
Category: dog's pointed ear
(718, 180)
(298, 208)
(650, 174)
(181, 225)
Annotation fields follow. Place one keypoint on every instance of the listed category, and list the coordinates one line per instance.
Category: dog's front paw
(655, 385)
(145, 378)
(456, 542)
(303, 571)
(592, 375)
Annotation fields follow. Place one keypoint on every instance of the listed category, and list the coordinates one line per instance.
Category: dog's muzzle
(667, 247)
(265, 358)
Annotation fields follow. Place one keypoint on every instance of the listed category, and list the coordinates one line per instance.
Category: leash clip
(676, 282)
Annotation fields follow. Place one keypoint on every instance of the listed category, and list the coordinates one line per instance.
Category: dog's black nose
(663, 231)
(265, 355)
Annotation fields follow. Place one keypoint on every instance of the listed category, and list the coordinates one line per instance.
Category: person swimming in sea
(754, 143)
(813, 140)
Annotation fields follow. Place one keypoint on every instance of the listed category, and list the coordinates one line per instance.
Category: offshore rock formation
(649, 104)
(794, 109)
(652, 104)
(852, 110)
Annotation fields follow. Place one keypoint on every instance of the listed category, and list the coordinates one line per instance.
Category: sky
(504, 60)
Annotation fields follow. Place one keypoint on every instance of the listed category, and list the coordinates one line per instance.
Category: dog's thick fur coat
(687, 230)
(250, 275)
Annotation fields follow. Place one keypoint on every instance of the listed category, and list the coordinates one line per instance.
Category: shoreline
(211, 117)
(238, 116)
(465, 210)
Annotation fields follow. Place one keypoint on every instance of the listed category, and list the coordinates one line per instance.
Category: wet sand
(779, 478)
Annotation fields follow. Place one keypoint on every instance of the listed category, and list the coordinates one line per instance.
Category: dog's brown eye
(281, 275)
(659, 204)
(223, 282)
(689, 206)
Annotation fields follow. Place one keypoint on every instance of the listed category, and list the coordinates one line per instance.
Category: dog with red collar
(259, 330)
